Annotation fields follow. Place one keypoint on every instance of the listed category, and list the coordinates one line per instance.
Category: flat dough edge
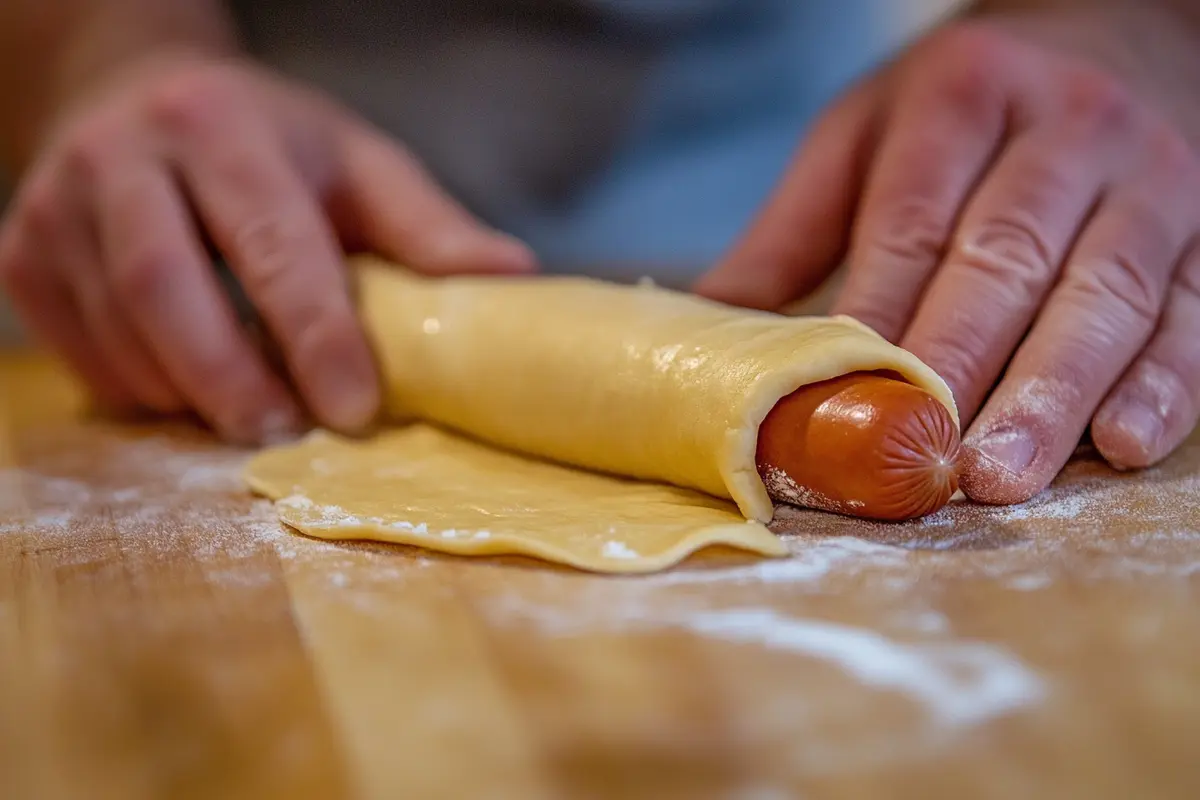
(323, 487)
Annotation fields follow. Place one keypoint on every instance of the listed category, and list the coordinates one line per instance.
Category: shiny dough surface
(607, 427)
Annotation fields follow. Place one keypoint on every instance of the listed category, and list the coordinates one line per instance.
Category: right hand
(103, 249)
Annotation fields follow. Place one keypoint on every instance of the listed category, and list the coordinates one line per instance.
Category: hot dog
(865, 444)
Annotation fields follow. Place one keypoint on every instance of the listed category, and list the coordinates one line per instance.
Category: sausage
(866, 444)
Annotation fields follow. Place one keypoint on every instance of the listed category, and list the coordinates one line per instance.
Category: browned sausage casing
(865, 444)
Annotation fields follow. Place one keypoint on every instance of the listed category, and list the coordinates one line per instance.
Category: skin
(1014, 199)
(161, 137)
(1012, 196)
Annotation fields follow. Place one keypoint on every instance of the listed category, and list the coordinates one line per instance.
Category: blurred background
(880, 26)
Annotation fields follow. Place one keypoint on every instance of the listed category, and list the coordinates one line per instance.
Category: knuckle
(911, 232)
(968, 63)
(273, 249)
(140, 278)
(1123, 278)
(1098, 100)
(193, 102)
(89, 148)
(1120, 278)
(270, 246)
(1009, 251)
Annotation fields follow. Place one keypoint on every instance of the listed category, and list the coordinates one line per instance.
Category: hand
(1009, 213)
(104, 250)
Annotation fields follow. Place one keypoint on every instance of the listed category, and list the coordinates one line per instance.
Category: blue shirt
(605, 133)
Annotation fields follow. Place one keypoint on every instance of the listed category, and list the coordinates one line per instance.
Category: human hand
(1009, 212)
(103, 252)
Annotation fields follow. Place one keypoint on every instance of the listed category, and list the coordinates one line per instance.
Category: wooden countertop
(162, 636)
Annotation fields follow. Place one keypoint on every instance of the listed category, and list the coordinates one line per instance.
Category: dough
(607, 427)
(423, 486)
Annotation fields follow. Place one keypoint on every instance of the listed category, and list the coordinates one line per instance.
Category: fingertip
(476, 252)
(986, 480)
(340, 380)
(513, 255)
(279, 425)
(1128, 436)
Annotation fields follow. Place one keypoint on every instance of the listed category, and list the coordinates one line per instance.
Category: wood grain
(162, 636)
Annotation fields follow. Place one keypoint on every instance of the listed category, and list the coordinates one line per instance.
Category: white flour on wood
(159, 498)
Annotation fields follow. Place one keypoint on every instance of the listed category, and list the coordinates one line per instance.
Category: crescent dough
(607, 427)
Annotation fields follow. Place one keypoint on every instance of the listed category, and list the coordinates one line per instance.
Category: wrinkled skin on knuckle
(1009, 253)
(271, 246)
(910, 231)
(282, 287)
(1103, 322)
(1139, 297)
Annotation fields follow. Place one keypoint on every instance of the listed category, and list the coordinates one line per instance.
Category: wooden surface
(161, 636)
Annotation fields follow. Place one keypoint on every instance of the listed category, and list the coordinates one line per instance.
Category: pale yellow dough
(662, 389)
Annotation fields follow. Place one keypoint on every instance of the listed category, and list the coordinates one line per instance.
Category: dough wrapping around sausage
(610, 428)
(636, 381)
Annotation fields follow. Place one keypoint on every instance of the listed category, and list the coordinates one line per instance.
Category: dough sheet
(607, 427)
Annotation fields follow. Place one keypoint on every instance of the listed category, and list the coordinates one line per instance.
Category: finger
(940, 139)
(802, 231)
(277, 241)
(1094, 323)
(167, 288)
(387, 203)
(1007, 251)
(46, 310)
(74, 252)
(1156, 405)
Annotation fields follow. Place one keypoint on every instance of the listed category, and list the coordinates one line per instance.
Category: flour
(861, 602)
(808, 562)
(615, 549)
(782, 487)
(960, 683)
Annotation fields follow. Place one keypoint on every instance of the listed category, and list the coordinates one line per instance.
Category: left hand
(1010, 211)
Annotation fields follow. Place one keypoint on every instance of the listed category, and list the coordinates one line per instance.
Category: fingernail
(1143, 423)
(348, 393)
(1012, 449)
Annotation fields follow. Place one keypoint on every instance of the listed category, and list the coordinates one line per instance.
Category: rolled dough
(611, 428)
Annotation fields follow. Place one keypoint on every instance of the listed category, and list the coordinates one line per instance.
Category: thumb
(385, 202)
(804, 229)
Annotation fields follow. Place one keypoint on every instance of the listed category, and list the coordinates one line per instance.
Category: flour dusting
(781, 486)
(960, 684)
(615, 549)
(861, 606)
